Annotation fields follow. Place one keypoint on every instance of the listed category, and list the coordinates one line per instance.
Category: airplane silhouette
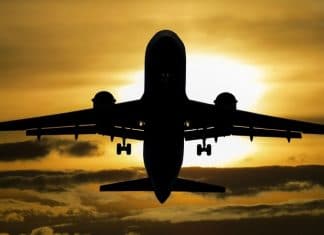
(163, 118)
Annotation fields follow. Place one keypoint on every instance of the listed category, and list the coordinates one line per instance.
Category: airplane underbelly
(163, 153)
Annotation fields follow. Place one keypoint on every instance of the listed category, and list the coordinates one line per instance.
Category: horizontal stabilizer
(132, 185)
(182, 185)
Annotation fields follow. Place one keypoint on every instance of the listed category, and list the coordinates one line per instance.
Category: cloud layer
(34, 150)
(239, 181)
(254, 179)
(70, 202)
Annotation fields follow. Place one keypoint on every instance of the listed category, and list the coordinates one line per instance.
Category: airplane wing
(120, 120)
(208, 121)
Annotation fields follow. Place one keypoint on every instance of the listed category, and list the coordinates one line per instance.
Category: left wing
(81, 117)
(207, 121)
(120, 120)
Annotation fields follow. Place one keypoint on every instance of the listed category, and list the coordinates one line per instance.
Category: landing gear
(204, 148)
(199, 149)
(124, 147)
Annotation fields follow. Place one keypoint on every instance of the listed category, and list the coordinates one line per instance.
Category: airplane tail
(180, 185)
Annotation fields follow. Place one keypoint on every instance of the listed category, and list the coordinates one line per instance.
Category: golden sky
(55, 55)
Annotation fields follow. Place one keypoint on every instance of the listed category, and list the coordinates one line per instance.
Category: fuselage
(164, 98)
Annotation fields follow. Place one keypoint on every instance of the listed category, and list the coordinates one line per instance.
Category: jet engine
(102, 100)
(226, 101)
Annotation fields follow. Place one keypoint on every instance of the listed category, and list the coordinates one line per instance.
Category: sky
(55, 56)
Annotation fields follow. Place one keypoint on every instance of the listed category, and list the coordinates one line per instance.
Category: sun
(207, 76)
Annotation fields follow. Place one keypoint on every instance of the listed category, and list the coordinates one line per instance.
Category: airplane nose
(166, 33)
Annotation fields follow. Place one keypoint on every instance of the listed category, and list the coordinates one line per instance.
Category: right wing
(208, 121)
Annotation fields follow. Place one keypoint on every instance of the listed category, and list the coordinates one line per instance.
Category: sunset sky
(55, 56)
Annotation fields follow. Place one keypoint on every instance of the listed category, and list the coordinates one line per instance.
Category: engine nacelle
(102, 100)
(226, 101)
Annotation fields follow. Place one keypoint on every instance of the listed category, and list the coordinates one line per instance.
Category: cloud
(211, 220)
(62, 181)
(265, 226)
(26, 150)
(80, 149)
(170, 218)
(238, 181)
(85, 210)
(235, 212)
(18, 216)
(34, 150)
(252, 180)
(42, 231)
(30, 197)
(13, 217)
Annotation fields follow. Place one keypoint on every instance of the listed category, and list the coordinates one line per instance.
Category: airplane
(163, 118)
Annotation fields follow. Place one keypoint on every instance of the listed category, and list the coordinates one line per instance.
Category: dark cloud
(42, 231)
(232, 212)
(299, 224)
(100, 213)
(19, 221)
(74, 148)
(29, 197)
(13, 217)
(240, 181)
(59, 181)
(270, 210)
(33, 150)
(26, 150)
(81, 149)
(267, 226)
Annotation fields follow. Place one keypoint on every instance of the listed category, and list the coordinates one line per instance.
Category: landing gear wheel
(128, 149)
(199, 149)
(204, 148)
(208, 150)
(119, 149)
(124, 147)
